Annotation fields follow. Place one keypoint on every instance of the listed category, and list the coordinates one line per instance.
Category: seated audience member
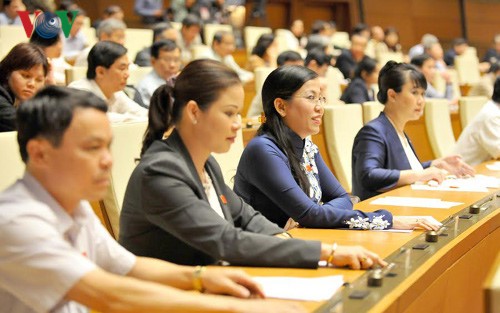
(52, 47)
(492, 55)
(281, 173)
(390, 43)
(485, 85)
(190, 37)
(480, 140)
(109, 30)
(361, 29)
(166, 61)
(459, 46)
(76, 42)
(285, 58)
(297, 29)
(360, 88)
(435, 51)
(177, 206)
(22, 74)
(418, 49)
(73, 263)
(151, 11)
(222, 48)
(426, 64)
(183, 8)
(264, 53)
(107, 76)
(348, 59)
(383, 157)
(161, 31)
(318, 61)
(9, 14)
(112, 11)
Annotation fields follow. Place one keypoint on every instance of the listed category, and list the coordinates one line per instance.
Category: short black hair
(420, 59)
(367, 65)
(49, 113)
(496, 91)
(191, 20)
(159, 28)
(162, 45)
(103, 53)
(288, 56)
(319, 56)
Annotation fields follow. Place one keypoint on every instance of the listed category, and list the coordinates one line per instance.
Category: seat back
(252, 34)
(371, 110)
(341, 124)
(261, 74)
(229, 161)
(439, 129)
(467, 67)
(137, 74)
(334, 79)
(75, 73)
(137, 39)
(440, 84)
(125, 149)
(209, 31)
(385, 57)
(469, 107)
(11, 167)
(286, 40)
(341, 39)
(10, 35)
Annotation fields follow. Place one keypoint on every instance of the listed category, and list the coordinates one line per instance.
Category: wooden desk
(450, 278)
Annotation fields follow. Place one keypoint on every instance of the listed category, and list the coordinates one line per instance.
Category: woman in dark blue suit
(383, 157)
(281, 173)
(365, 75)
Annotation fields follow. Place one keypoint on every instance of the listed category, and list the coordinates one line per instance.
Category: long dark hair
(282, 83)
(201, 81)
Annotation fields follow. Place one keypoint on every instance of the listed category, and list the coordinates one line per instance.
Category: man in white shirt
(480, 140)
(107, 76)
(222, 48)
(55, 255)
(166, 62)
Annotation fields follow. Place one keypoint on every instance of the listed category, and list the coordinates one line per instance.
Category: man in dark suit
(348, 59)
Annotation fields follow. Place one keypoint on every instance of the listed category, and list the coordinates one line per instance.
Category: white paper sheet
(415, 202)
(449, 188)
(301, 288)
(493, 166)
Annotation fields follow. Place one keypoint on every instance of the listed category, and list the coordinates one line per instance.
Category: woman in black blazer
(177, 206)
(365, 75)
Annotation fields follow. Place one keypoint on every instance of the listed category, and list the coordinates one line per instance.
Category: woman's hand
(432, 173)
(410, 222)
(236, 283)
(354, 257)
(454, 165)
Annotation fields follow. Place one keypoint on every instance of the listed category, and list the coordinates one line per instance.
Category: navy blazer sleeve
(268, 169)
(170, 203)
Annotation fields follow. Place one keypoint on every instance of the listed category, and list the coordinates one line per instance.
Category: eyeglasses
(321, 101)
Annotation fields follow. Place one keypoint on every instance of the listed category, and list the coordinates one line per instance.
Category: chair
(341, 39)
(10, 35)
(176, 25)
(90, 35)
(385, 57)
(286, 40)
(467, 67)
(334, 79)
(439, 129)
(469, 107)
(371, 110)
(252, 34)
(229, 161)
(75, 73)
(11, 167)
(209, 31)
(261, 74)
(137, 39)
(137, 74)
(341, 124)
(440, 84)
(125, 149)
(199, 51)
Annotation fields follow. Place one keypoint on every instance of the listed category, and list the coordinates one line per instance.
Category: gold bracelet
(330, 258)
(197, 281)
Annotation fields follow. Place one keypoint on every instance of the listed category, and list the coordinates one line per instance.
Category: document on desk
(415, 202)
(495, 166)
(301, 288)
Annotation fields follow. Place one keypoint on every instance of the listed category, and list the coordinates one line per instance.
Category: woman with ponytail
(383, 157)
(281, 173)
(177, 206)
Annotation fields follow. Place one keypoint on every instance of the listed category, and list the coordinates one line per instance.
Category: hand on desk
(231, 282)
(454, 164)
(410, 222)
(356, 257)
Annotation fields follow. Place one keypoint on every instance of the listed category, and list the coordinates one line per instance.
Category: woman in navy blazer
(281, 173)
(382, 156)
(365, 75)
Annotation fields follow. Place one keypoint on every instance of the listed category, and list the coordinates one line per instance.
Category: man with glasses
(166, 62)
